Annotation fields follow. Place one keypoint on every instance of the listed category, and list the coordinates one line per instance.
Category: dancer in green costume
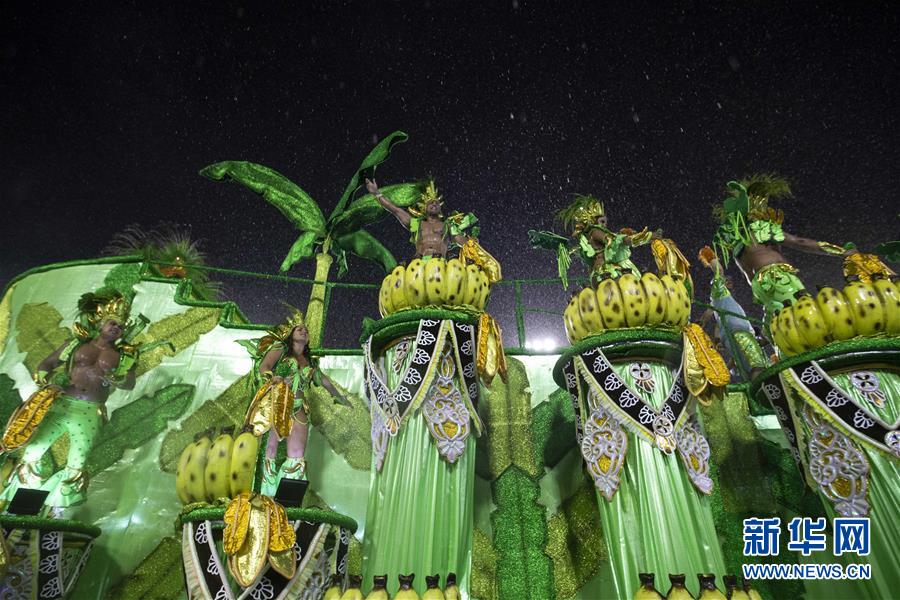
(854, 477)
(653, 505)
(284, 371)
(72, 401)
(420, 516)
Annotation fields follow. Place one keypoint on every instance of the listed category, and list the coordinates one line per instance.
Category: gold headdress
(95, 308)
(581, 213)
(283, 331)
(425, 198)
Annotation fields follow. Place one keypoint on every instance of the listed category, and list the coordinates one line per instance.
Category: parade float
(235, 459)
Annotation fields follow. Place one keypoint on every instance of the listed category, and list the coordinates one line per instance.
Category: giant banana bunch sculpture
(257, 531)
(629, 301)
(860, 309)
(211, 469)
(435, 282)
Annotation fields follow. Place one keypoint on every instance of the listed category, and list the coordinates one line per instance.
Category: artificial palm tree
(340, 234)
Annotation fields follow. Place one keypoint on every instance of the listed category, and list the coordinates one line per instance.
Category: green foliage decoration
(483, 580)
(347, 428)
(158, 577)
(9, 397)
(520, 535)
(575, 541)
(38, 333)
(123, 278)
(553, 429)
(227, 409)
(507, 416)
(180, 330)
(137, 423)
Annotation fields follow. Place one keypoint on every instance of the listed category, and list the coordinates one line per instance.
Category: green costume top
(301, 378)
(456, 224)
(742, 226)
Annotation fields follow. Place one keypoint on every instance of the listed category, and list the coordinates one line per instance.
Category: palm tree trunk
(315, 310)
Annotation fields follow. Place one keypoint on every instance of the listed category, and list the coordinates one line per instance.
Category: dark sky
(108, 114)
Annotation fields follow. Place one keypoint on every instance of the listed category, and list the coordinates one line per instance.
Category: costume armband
(831, 248)
(40, 378)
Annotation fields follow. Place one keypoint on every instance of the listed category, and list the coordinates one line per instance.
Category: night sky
(108, 114)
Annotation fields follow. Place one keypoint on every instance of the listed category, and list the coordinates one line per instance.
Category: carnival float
(159, 444)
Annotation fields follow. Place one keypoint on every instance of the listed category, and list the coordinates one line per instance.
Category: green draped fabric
(420, 511)
(884, 502)
(657, 522)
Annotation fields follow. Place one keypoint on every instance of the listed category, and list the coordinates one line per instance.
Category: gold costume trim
(473, 252)
(490, 358)
(865, 266)
(26, 418)
(272, 408)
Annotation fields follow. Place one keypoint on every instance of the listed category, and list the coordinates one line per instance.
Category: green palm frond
(376, 156)
(366, 210)
(295, 204)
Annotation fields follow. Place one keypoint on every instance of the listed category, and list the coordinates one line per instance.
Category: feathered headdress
(425, 198)
(580, 214)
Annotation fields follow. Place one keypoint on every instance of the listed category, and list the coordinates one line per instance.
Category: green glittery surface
(225, 410)
(124, 277)
(30, 522)
(347, 428)
(38, 333)
(506, 412)
(158, 577)
(575, 541)
(484, 567)
(383, 329)
(136, 423)
(9, 397)
(553, 429)
(520, 535)
(181, 330)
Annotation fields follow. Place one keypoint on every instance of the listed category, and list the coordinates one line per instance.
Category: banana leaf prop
(556, 243)
(704, 370)
(257, 532)
(341, 233)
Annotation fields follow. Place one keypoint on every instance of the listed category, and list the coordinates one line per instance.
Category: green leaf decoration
(366, 210)
(181, 330)
(302, 248)
(483, 576)
(347, 428)
(38, 333)
(226, 409)
(507, 416)
(376, 156)
(575, 541)
(553, 429)
(520, 535)
(295, 204)
(158, 577)
(889, 250)
(137, 423)
(124, 277)
(364, 245)
(5, 317)
(9, 397)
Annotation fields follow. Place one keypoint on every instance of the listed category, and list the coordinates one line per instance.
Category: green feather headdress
(580, 213)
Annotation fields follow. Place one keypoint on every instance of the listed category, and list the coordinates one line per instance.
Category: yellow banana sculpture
(385, 307)
(574, 329)
(678, 305)
(609, 297)
(398, 293)
(791, 332)
(485, 290)
(589, 311)
(379, 589)
(455, 281)
(890, 301)
(257, 531)
(195, 470)
(809, 322)
(776, 328)
(656, 298)
(218, 467)
(334, 590)
(414, 280)
(243, 463)
(406, 591)
(451, 591)
(837, 313)
(868, 313)
(471, 287)
(434, 280)
(634, 299)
